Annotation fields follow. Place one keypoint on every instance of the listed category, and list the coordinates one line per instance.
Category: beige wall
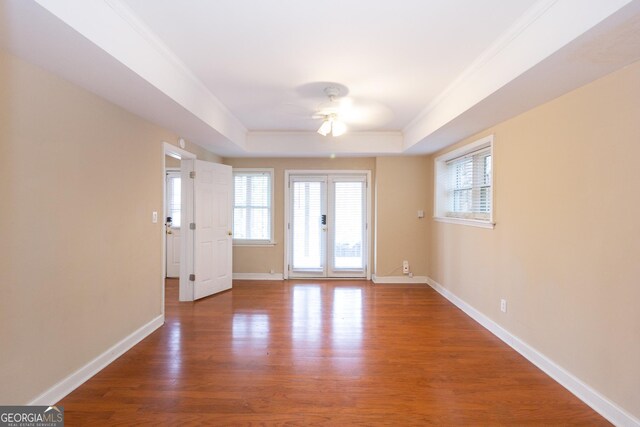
(565, 252)
(263, 259)
(401, 190)
(80, 267)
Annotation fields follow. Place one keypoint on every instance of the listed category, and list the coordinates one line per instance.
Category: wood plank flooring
(335, 353)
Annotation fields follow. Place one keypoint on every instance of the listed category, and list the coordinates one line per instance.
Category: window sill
(254, 244)
(464, 221)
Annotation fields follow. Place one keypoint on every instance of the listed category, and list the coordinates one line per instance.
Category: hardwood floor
(322, 353)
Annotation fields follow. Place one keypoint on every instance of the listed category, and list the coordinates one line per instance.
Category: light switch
(154, 217)
(420, 214)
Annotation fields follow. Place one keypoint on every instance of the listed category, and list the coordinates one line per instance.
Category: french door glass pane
(306, 224)
(348, 225)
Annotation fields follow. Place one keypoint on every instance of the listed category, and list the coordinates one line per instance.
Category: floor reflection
(175, 348)
(306, 325)
(327, 322)
(347, 318)
(250, 331)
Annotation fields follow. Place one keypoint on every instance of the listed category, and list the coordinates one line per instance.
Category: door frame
(186, 255)
(287, 195)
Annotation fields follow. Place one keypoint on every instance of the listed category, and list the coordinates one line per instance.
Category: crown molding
(114, 28)
(544, 29)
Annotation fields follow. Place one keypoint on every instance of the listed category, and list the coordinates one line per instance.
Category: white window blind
(464, 183)
(252, 206)
(349, 225)
(307, 203)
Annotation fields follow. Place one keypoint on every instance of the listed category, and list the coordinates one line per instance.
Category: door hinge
(288, 226)
(192, 277)
(192, 226)
(192, 174)
(289, 267)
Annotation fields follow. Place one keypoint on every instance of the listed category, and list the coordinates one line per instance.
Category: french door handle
(324, 219)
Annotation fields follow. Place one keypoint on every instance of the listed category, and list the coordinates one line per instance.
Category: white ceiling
(262, 59)
(242, 77)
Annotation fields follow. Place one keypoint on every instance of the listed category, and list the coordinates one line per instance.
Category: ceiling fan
(330, 113)
(326, 108)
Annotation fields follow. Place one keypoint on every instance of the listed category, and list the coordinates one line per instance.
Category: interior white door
(212, 228)
(308, 228)
(172, 223)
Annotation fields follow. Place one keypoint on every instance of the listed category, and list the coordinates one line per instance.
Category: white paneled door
(212, 228)
(327, 225)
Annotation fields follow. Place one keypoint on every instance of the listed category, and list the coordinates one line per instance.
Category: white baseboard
(257, 276)
(400, 280)
(588, 395)
(75, 380)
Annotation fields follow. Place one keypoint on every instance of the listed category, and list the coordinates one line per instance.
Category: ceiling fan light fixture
(325, 127)
(331, 125)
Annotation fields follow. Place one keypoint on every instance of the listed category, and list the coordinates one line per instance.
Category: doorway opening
(327, 217)
(173, 210)
(175, 206)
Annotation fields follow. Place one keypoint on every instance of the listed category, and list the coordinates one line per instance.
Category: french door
(327, 225)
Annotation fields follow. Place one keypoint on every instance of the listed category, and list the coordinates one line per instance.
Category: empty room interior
(241, 212)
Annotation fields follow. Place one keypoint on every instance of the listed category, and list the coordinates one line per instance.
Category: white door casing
(343, 240)
(212, 263)
(186, 213)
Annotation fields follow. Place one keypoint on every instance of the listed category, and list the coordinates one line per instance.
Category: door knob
(230, 233)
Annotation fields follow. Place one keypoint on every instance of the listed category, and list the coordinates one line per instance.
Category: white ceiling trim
(311, 144)
(546, 28)
(110, 25)
(501, 43)
(530, 64)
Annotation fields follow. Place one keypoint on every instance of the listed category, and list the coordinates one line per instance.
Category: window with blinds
(252, 205)
(174, 201)
(464, 183)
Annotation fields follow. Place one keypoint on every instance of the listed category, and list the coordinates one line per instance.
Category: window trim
(440, 165)
(257, 242)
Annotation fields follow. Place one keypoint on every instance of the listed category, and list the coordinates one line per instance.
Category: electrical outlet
(405, 267)
(503, 305)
